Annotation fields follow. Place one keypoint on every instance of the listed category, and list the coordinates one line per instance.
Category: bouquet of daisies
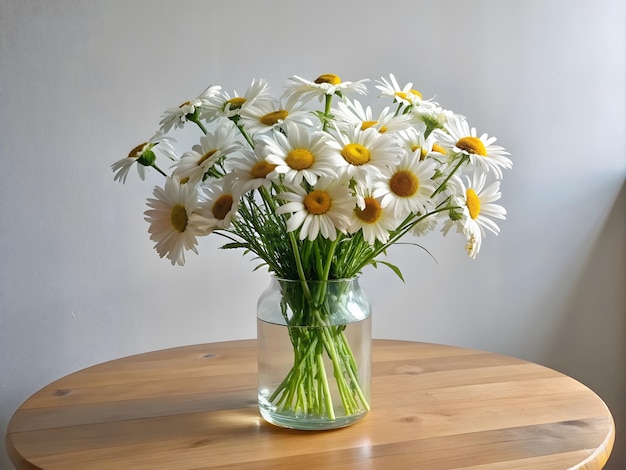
(314, 183)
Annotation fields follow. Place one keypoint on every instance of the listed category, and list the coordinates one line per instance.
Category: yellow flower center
(237, 102)
(328, 78)
(400, 94)
(300, 159)
(423, 153)
(134, 153)
(416, 93)
(184, 104)
(272, 118)
(261, 169)
(438, 148)
(372, 211)
(178, 218)
(317, 202)
(368, 124)
(185, 180)
(472, 145)
(473, 203)
(356, 154)
(222, 206)
(404, 183)
(206, 156)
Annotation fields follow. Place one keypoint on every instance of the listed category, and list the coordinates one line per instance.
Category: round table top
(194, 407)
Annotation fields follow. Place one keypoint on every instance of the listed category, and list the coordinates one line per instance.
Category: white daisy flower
(263, 116)
(301, 89)
(218, 204)
(250, 170)
(476, 201)
(375, 222)
(323, 210)
(225, 105)
(177, 116)
(172, 227)
(406, 187)
(461, 140)
(301, 154)
(194, 164)
(432, 115)
(365, 153)
(351, 113)
(413, 140)
(143, 155)
(405, 95)
(424, 226)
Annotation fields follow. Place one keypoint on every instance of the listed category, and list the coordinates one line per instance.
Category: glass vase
(314, 352)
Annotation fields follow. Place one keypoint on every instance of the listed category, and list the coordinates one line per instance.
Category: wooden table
(433, 407)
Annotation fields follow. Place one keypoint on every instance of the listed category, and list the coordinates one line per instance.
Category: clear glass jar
(314, 352)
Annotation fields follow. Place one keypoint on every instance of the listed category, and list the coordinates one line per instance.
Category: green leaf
(394, 268)
(233, 245)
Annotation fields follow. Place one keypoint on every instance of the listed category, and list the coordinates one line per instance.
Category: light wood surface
(433, 407)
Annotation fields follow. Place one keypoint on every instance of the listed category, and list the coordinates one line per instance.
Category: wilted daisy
(143, 155)
(352, 113)
(300, 154)
(172, 227)
(323, 210)
(407, 186)
(177, 116)
(405, 95)
(225, 105)
(301, 89)
(263, 116)
(462, 140)
(373, 220)
(195, 163)
(365, 153)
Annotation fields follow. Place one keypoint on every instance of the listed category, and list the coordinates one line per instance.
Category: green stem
(327, 106)
(441, 187)
(158, 169)
(245, 135)
(194, 118)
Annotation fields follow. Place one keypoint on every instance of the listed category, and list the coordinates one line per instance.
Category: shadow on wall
(590, 343)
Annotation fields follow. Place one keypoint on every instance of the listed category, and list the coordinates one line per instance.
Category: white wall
(82, 82)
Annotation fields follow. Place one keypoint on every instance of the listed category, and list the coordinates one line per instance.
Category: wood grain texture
(433, 407)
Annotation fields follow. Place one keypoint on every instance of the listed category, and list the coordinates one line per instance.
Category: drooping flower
(170, 216)
(322, 210)
(143, 155)
(478, 208)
